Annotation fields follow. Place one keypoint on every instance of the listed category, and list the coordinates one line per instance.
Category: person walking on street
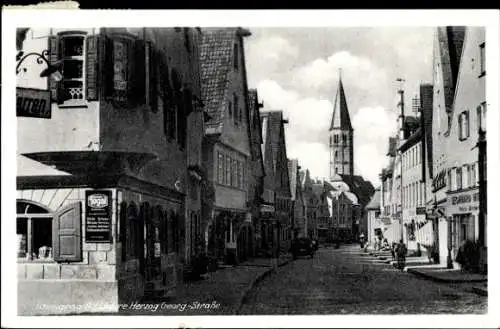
(401, 252)
(393, 251)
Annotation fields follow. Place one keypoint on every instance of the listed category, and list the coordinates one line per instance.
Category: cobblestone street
(342, 281)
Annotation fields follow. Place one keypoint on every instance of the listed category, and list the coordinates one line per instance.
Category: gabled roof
(374, 203)
(340, 117)
(216, 61)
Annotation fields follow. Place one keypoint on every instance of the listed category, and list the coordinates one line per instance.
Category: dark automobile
(303, 247)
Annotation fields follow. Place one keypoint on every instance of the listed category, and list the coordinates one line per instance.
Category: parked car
(303, 247)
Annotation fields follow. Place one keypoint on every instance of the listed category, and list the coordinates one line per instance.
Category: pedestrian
(401, 252)
(393, 250)
(362, 240)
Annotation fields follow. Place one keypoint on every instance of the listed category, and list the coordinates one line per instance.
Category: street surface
(342, 281)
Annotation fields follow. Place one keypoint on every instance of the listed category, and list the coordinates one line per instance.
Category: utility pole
(401, 104)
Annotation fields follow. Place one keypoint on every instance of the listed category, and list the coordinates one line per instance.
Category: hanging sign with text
(33, 103)
(98, 216)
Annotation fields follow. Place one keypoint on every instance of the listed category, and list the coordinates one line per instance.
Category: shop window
(45, 236)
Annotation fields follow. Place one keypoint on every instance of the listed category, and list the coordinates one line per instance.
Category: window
(234, 174)
(236, 109)
(230, 109)
(463, 122)
(228, 171)
(344, 138)
(482, 59)
(474, 175)
(45, 236)
(241, 174)
(236, 56)
(481, 117)
(458, 178)
(336, 138)
(220, 168)
(72, 50)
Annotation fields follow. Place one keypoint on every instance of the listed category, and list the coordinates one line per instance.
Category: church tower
(341, 137)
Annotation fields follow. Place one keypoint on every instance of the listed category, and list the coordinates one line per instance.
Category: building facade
(227, 146)
(299, 225)
(108, 188)
(276, 181)
(311, 203)
(375, 226)
(466, 118)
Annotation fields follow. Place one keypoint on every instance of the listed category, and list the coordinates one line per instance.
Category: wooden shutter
(108, 70)
(138, 78)
(92, 66)
(54, 55)
(67, 226)
(153, 77)
(123, 229)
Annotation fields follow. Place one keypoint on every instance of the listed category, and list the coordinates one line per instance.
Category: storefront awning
(86, 162)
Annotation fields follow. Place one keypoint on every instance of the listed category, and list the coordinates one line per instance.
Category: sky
(297, 70)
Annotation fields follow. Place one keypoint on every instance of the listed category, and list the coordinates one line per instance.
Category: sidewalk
(442, 274)
(224, 289)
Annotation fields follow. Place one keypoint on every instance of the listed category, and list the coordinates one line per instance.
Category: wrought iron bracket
(41, 58)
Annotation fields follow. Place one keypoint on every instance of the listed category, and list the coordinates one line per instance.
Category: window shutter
(92, 66)
(54, 55)
(163, 229)
(138, 78)
(123, 229)
(108, 71)
(67, 226)
(153, 77)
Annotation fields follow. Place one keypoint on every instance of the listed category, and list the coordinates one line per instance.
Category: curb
(252, 284)
(437, 279)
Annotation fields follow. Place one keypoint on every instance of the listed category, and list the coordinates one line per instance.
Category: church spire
(340, 118)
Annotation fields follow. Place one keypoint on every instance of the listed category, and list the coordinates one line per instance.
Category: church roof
(374, 202)
(340, 117)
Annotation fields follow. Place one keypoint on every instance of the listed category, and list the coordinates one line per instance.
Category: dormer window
(236, 57)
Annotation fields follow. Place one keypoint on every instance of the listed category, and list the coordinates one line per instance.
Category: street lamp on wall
(51, 70)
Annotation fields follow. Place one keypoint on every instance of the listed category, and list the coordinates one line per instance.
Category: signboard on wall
(33, 103)
(98, 216)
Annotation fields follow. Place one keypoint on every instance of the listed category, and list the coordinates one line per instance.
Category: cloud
(322, 74)
(372, 128)
(267, 55)
(308, 117)
(307, 130)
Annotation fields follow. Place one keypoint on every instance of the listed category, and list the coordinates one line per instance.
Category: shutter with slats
(138, 74)
(108, 71)
(54, 56)
(67, 226)
(92, 66)
(153, 77)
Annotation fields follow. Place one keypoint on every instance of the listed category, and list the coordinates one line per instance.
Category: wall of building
(87, 284)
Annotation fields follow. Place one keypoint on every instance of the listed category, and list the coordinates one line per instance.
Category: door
(152, 249)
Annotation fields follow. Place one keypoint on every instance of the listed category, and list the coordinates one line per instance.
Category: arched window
(34, 231)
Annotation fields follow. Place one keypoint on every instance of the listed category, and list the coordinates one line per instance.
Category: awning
(85, 162)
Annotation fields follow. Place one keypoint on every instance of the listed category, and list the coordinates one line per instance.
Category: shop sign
(464, 203)
(98, 216)
(421, 211)
(33, 103)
